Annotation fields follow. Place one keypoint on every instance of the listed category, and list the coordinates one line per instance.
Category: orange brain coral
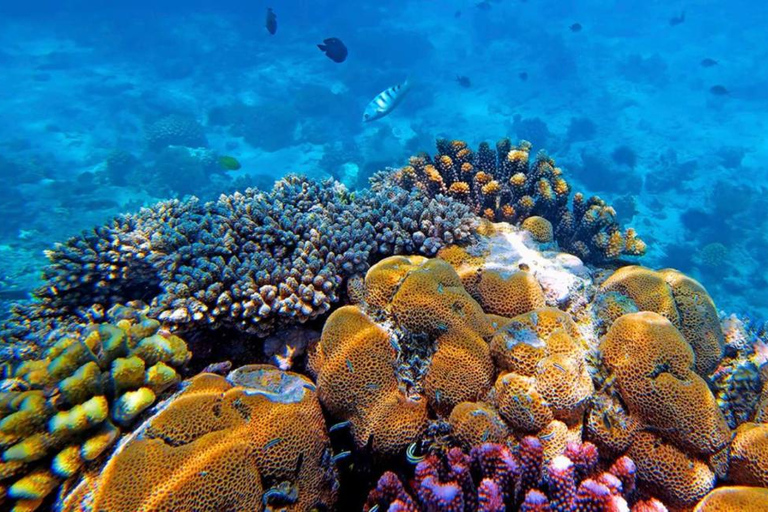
(221, 446)
(653, 367)
(735, 499)
(682, 300)
(749, 455)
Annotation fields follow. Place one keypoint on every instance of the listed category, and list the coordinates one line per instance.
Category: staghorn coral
(255, 439)
(175, 130)
(503, 185)
(62, 411)
(492, 477)
(416, 342)
(249, 261)
(682, 300)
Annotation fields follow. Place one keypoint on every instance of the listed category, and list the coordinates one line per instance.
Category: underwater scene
(436, 255)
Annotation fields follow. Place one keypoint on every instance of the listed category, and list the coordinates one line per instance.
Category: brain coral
(734, 499)
(62, 411)
(545, 349)
(749, 455)
(680, 299)
(248, 261)
(416, 341)
(255, 439)
(503, 185)
(653, 368)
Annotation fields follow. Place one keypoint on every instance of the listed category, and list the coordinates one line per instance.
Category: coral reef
(492, 477)
(65, 409)
(427, 350)
(681, 300)
(255, 439)
(735, 499)
(503, 185)
(247, 261)
(175, 130)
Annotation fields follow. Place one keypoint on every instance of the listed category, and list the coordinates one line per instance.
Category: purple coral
(505, 480)
(248, 261)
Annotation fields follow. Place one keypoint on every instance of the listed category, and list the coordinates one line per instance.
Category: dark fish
(576, 27)
(718, 90)
(523, 76)
(334, 49)
(464, 81)
(457, 14)
(708, 63)
(677, 20)
(271, 23)
(484, 6)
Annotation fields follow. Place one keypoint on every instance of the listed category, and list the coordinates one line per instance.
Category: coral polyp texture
(506, 184)
(492, 478)
(62, 411)
(248, 261)
(175, 130)
(252, 441)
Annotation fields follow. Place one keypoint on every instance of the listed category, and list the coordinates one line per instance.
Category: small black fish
(464, 81)
(677, 20)
(271, 23)
(334, 49)
(523, 76)
(718, 90)
(576, 27)
(708, 63)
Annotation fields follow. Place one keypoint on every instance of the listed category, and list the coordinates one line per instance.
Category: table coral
(62, 411)
(249, 261)
(253, 440)
(503, 185)
(492, 477)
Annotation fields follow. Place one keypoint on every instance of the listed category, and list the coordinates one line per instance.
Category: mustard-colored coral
(653, 367)
(749, 455)
(60, 416)
(682, 300)
(734, 499)
(475, 423)
(540, 229)
(219, 445)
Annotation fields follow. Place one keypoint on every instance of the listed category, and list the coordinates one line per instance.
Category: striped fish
(385, 102)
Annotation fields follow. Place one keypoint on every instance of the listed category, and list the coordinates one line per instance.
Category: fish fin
(322, 47)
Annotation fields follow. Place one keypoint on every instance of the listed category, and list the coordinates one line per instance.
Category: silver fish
(385, 102)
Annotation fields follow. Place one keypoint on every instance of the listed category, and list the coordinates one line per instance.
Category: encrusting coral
(62, 411)
(494, 478)
(255, 440)
(248, 261)
(503, 185)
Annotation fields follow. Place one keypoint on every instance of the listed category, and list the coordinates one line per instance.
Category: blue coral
(249, 261)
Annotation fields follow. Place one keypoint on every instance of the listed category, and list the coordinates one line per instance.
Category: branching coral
(503, 185)
(62, 411)
(494, 478)
(251, 441)
(246, 261)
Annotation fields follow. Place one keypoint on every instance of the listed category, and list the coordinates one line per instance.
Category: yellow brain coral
(426, 349)
(674, 476)
(653, 368)
(539, 228)
(749, 455)
(61, 411)
(682, 300)
(475, 423)
(734, 499)
(252, 440)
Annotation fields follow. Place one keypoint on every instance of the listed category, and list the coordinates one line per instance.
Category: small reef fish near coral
(445, 324)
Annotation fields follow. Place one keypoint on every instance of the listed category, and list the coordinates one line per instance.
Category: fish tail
(322, 47)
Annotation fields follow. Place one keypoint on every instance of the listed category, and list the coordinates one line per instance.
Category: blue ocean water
(661, 114)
